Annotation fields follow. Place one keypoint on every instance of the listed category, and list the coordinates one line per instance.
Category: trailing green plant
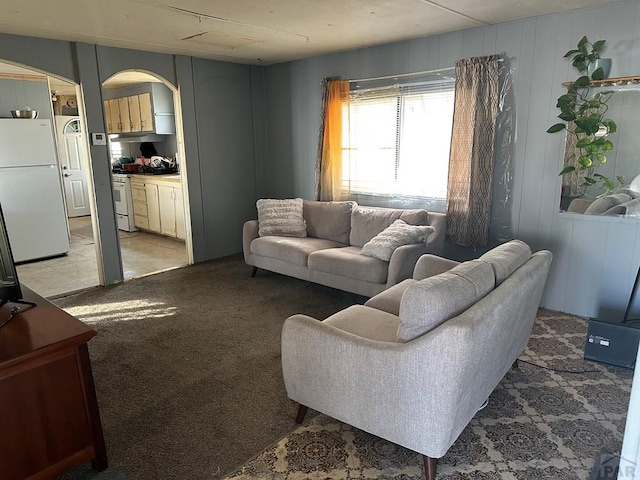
(583, 115)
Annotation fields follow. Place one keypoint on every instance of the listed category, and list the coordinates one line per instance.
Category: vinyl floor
(142, 254)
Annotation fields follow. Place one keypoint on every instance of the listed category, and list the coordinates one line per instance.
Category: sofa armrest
(249, 234)
(407, 393)
(403, 261)
(435, 242)
(429, 265)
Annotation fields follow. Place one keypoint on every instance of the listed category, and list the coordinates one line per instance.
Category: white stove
(123, 201)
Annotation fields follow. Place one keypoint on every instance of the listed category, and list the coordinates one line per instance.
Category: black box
(614, 343)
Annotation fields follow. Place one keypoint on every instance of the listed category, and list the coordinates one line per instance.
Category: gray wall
(217, 107)
(224, 127)
(595, 260)
(16, 94)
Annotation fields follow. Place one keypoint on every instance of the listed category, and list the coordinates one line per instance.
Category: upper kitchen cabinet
(140, 108)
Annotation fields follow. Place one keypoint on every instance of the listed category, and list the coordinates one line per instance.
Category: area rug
(541, 422)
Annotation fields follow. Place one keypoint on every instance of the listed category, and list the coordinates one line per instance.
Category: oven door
(120, 197)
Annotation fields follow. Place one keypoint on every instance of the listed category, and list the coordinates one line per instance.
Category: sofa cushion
(434, 300)
(348, 262)
(294, 250)
(507, 258)
(281, 217)
(602, 204)
(395, 235)
(389, 300)
(366, 322)
(367, 222)
(329, 220)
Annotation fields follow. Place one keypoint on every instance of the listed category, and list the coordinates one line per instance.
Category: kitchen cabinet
(134, 113)
(140, 212)
(146, 107)
(125, 119)
(158, 205)
(171, 211)
(112, 115)
(146, 113)
(153, 207)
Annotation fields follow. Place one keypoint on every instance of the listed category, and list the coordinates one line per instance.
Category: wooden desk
(49, 419)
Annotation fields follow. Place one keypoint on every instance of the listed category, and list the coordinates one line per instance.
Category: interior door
(72, 162)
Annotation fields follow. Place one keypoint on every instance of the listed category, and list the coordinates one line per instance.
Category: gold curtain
(329, 162)
(470, 181)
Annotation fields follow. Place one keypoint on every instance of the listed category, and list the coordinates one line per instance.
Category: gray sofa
(330, 253)
(416, 362)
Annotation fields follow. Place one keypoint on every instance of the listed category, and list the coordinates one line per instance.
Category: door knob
(68, 174)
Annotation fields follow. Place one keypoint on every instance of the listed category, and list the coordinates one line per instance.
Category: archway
(56, 272)
(146, 149)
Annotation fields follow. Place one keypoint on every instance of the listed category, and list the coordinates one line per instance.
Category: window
(72, 126)
(396, 142)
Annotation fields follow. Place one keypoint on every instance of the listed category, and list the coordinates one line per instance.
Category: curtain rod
(409, 74)
(403, 75)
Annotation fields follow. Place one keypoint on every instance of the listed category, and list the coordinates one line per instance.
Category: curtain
(471, 160)
(335, 97)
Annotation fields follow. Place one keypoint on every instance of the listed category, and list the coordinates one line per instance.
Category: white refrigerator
(31, 190)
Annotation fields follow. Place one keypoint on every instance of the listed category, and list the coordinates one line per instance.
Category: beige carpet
(539, 424)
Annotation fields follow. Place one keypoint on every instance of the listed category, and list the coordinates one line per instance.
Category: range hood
(137, 137)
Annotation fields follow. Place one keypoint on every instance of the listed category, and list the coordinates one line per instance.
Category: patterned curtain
(472, 151)
(335, 96)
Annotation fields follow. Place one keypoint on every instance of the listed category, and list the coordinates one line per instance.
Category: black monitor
(9, 284)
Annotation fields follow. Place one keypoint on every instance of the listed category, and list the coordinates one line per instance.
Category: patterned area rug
(540, 423)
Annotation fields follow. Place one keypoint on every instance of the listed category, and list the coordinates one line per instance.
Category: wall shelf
(611, 82)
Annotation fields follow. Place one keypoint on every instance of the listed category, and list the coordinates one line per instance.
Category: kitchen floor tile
(142, 254)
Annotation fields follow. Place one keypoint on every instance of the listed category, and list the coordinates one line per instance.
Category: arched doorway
(145, 144)
(79, 267)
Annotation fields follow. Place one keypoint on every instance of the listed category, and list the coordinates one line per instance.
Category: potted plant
(583, 115)
(586, 58)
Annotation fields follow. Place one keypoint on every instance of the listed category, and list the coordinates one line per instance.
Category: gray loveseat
(416, 362)
(330, 253)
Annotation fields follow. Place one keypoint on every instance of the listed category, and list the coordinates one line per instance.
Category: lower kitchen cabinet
(153, 207)
(171, 211)
(158, 206)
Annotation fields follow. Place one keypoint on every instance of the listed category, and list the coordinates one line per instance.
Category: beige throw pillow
(281, 217)
(395, 235)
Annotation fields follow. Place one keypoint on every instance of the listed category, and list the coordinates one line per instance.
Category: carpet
(540, 423)
(187, 366)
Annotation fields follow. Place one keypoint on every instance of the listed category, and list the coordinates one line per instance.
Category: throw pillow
(395, 235)
(281, 217)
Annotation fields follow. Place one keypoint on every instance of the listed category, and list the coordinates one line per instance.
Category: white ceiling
(260, 32)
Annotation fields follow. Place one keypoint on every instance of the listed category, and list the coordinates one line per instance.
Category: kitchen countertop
(172, 177)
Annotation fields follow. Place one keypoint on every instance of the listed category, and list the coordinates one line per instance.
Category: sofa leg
(254, 271)
(302, 411)
(430, 466)
(515, 365)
